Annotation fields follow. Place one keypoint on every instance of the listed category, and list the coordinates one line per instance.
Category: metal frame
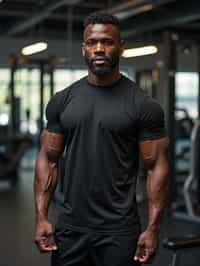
(42, 63)
(190, 214)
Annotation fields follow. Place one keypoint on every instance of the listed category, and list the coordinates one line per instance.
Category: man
(102, 122)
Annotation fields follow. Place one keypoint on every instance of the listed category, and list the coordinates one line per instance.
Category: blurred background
(40, 54)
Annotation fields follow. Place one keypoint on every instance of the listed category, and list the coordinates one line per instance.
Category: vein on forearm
(155, 155)
(46, 171)
(50, 177)
(45, 184)
(157, 190)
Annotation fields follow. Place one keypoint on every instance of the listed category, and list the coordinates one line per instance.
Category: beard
(106, 68)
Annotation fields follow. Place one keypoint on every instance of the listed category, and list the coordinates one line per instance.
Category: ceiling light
(146, 50)
(34, 48)
(124, 14)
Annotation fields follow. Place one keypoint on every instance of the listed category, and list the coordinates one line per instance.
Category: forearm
(46, 171)
(157, 191)
(44, 185)
(155, 156)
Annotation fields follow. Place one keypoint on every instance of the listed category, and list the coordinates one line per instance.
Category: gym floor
(17, 226)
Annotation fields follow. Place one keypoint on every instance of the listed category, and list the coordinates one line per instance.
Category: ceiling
(63, 19)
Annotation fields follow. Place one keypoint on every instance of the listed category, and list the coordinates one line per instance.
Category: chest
(108, 111)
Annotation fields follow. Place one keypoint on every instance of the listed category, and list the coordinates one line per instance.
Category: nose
(99, 47)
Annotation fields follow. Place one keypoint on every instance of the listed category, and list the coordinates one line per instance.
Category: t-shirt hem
(153, 137)
(126, 231)
(53, 130)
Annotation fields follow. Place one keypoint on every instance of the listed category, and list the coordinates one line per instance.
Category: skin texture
(52, 146)
(155, 156)
(102, 42)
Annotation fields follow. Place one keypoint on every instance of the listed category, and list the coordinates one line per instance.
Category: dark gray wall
(186, 62)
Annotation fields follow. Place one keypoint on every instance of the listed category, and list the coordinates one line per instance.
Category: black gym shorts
(91, 249)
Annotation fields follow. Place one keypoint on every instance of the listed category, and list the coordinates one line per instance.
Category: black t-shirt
(102, 126)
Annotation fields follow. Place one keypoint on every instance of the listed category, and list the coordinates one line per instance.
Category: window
(65, 77)
(187, 92)
(4, 96)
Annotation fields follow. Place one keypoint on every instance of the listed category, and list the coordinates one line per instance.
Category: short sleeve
(151, 120)
(53, 111)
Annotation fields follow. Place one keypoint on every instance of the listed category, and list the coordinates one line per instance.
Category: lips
(99, 60)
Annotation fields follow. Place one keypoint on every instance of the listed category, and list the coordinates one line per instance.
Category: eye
(108, 42)
(90, 42)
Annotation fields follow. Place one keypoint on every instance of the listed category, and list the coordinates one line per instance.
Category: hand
(146, 246)
(44, 236)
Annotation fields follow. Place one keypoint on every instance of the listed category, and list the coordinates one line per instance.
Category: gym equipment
(191, 186)
(45, 66)
(180, 244)
(10, 157)
(184, 123)
(183, 129)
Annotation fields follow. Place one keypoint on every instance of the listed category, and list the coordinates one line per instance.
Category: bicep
(52, 138)
(155, 152)
(155, 156)
(52, 144)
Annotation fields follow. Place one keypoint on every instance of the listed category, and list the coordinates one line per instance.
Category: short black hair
(101, 18)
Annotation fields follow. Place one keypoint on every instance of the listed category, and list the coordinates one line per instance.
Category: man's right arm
(44, 187)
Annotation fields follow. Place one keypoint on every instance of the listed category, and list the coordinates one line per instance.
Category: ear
(122, 47)
(83, 48)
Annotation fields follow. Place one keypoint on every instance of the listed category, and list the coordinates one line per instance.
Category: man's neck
(103, 80)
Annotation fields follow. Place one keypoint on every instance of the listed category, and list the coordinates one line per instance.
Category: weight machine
(191, 195)
(45, 66)
(14, 143)
(179, 244)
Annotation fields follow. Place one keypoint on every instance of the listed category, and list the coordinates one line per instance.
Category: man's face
(102, 48)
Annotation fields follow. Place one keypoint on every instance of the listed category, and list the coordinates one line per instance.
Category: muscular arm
(155, 156)
(45, 183)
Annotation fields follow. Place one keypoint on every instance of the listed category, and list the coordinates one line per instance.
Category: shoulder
(149, 109)
(134, 91)
(60, 98)
(145, 103)
(139, 97)
(56, 101)
(151, 106)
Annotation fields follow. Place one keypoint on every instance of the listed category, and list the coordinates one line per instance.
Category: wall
(186, 62)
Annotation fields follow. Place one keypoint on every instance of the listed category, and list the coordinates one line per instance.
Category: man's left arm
(155, 156)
